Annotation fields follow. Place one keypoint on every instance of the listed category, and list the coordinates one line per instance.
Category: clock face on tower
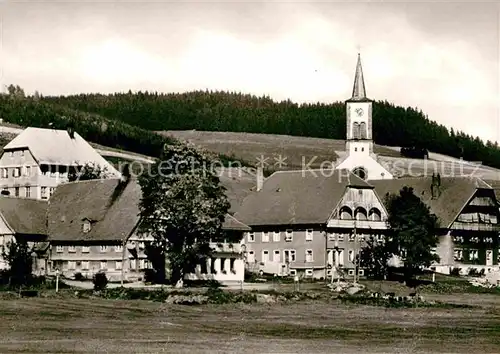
(359, 111)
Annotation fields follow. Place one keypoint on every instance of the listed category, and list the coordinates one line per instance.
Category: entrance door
(489, 257)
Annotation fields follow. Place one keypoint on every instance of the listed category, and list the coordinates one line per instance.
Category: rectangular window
(265, 256)
(16, 191)
(309, 255)
(309, 235)
(85, 249)
(118, 248)
(265, 236)
(276, 236)
(473, 254)
(44, 192)
(5, 172)
(85, 265)
(341, 237)
(51, 191)
(277, 256)
(27, 171)
(351, 238)
(133, 264)
(59, 249)
(118, 265)
(289, 236)
(16, 172)
(104, 265)
(104, 249)
(331, 236)
(141, 245)
(71, 265)
(71, 249)
(289, 256)
(28, 192)
(351, 255)
(309, 272)
(293, 272)
(251, 237)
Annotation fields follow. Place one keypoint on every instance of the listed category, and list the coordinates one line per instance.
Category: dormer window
(87, 226)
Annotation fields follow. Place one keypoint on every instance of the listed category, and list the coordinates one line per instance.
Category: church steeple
(359, 91)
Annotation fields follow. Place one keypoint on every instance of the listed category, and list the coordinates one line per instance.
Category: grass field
(300, 151)
(112, 326)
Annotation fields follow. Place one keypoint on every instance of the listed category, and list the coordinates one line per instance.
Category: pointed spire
(358, 91)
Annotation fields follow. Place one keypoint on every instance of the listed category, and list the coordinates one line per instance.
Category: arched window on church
(355, 130)
(362, 130)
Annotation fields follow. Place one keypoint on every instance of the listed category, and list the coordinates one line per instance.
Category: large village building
(316, 222)
(93, 226)
(36, 161)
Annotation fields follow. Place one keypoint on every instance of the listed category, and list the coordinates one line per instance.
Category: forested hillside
(236, 112)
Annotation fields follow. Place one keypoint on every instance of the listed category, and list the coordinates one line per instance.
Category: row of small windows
(86, 249)
(27, 191)
(360, 213)
(26, 171)
(289, 255)
(276, 236)
(105, 265)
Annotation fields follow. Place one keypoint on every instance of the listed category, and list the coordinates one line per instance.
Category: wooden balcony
(360, 224)
(474, 226)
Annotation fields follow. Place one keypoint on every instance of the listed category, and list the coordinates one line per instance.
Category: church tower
(360, 157)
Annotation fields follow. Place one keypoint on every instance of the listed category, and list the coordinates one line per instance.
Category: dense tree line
(236, 112)
(92, 127)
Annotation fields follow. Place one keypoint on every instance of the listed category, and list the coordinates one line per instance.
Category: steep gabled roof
(114, 211)
(51, 146)
(297, 197)
(455, 193)
(24, 216)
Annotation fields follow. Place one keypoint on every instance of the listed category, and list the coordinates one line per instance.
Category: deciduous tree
(413, 231)
(183, 207)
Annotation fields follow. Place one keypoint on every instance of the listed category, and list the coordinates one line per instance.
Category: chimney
(71, 133)
(260, 178)
(126, 173)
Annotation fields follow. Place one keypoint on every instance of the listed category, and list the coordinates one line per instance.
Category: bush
(100, 281)
(473, 272)
(79, 276)
(455, 272)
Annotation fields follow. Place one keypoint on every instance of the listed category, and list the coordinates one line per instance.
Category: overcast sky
(442, 58)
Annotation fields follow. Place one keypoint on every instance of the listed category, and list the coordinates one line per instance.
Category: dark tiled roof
(297, 197)
(238, 184)
(113, 218)
(24, 216)
(495, 184)
(455, 193)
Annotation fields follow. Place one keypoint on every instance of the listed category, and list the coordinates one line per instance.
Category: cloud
(305, 52)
